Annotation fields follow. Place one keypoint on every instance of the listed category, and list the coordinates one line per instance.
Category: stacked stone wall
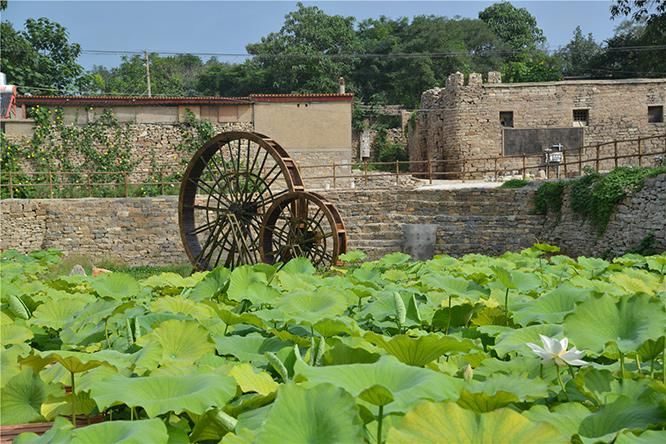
(462, 121)
(143, 231)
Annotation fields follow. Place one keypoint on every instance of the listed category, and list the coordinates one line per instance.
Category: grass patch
(514, 183)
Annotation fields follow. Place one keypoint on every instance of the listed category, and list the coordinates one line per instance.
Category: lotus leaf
(182, 342)
(251, 381)
(430, 422)
(647, 437)
(628, 323)
(21, 398)
(407, 383)
(622, 414)
(422, 350)
(321, 414)
(157, 395)
(566, 418)
(14, 334)
(55, 314)
(116, 286)
(179, 304)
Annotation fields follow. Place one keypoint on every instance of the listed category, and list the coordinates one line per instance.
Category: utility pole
(147, 63)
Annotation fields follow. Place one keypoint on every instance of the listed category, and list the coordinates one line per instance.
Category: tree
(309, 53)
(514, 26)
(638, 9)
(42, 57)
(534, 66)
(578, 55)
(172, 75)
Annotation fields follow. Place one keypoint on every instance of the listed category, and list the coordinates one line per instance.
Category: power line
(396, 55)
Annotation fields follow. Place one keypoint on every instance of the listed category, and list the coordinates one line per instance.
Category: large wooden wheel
(228, 186)
(303, 224)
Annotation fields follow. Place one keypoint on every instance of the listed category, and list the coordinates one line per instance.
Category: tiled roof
(209, 100)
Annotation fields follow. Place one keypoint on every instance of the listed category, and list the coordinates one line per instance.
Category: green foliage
(41, 56)
(389, 152)
(579, 54)
(548, 197)
(514, 26)
(515, 183)
(595, 196)
(344, 356)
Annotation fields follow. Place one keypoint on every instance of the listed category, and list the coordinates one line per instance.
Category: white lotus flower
(554, 350)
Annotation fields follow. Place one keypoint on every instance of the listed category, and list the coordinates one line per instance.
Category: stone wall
(143, 231)
(461, 121)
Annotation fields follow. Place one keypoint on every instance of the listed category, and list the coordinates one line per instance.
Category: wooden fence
(63, 184)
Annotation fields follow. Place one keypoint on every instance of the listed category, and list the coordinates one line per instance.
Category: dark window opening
(581, 116)
(506, 119)
(655, 114)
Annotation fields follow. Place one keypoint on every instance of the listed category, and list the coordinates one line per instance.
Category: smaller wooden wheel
(302, 224)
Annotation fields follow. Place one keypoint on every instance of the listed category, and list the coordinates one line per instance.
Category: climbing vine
(593, 196)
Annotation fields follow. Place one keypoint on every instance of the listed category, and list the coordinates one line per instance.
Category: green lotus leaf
(339, 352)
(647, 437)
(63, 404)
(182, 342)
(525, 389)
(337, 327)
(516, 340)
(116, 286)
(422, 350)
(242, 279)
(408, 384)
(9, 357)
(179, 304)
(211, 286)
(395, 275)
(299, 265)
(249, 348)
(211, 426)
(627, 323)
(250, 380)
(566, 418)
(125, 432)
(456, 316)
(322, 414)
(353, 256)
(231, 318)
(194, 393)
(57, 313)
(430, 421)
(636, 281)
(622, 414)
(59, 433)
(18, 307)
(21, 398)
(593, 267)
(484, 402)
(14, 334)
(552, 307)
(308, 307)
(651, 349)
(450, 285)
(377, 395)
(172, 281)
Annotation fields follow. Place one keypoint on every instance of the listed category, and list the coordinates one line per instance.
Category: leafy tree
(514, 26)
(172, 75)
(42, 57)
(534, 66)
(578, 55)
(309, 53)
(638, 9)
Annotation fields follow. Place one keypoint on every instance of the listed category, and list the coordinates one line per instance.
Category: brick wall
(143, 231)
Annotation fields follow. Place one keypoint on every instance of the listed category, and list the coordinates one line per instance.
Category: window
(581, 117)
(655, 114)
(506, 119)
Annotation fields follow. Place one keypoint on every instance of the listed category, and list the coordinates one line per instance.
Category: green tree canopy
(42, 57)
(579, 54)
(514, 26)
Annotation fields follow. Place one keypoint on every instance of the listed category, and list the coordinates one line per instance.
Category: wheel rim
(303, 224)
(228, 186)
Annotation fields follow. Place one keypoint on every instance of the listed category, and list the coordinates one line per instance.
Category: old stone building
(314, 128)
(511, 124)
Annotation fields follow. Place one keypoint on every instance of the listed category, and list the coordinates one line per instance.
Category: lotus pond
(529, 347)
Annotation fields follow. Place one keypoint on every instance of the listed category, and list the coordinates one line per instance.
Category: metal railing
(64, 184)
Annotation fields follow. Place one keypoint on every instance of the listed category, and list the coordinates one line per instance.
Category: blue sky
(226, 26)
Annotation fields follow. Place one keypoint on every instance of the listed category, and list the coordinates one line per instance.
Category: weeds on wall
(515, 183)
(104, 145)
(594, 196)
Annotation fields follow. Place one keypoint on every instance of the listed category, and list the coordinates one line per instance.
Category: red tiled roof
(128, 100)
(166, 101)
